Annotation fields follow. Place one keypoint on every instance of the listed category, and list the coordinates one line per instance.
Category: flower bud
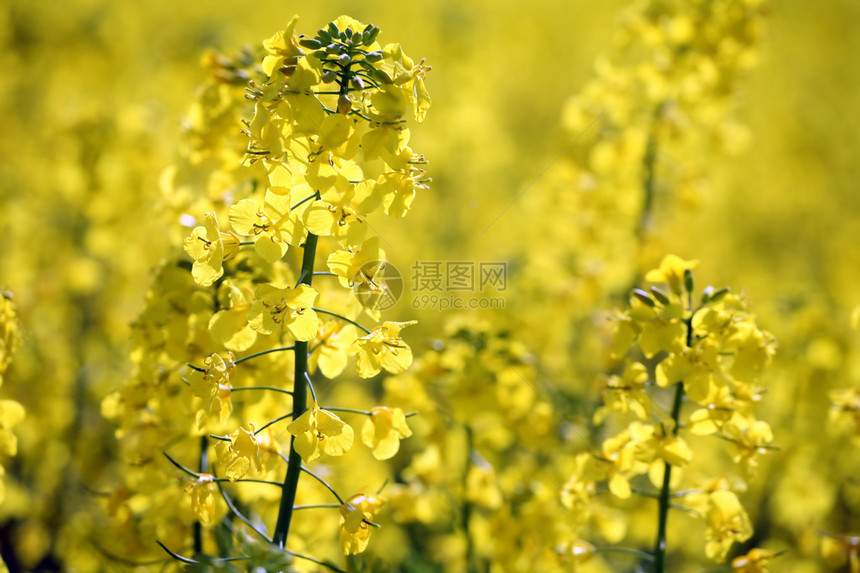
(688, 280)
(344, 104)
(661, 297)
(643, 297)
(310, 43)
(718, 295)
(368, 36)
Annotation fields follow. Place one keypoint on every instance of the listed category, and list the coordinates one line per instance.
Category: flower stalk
(665, 498)
(664, 502)
(300, 398)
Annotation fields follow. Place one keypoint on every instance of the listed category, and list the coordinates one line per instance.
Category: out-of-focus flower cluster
(711, 355)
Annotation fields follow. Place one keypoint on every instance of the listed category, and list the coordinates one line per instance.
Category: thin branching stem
(180, 466)
(239, 514)
(261, 353)
(270, 388)
(343, 318)
(348, 410)
(625, 551)
(275, 421)
(311, 387)
(318, 506)
(305, 200)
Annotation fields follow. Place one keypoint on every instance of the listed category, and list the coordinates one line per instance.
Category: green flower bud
(688, 280)
(310, 43)
(368, 36)
(344, 104)
(717, 296)
(661, 296)
(643, 297)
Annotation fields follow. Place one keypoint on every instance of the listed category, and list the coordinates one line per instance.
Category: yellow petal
(244, 216)
(304, 327)
(269, 249)
(11, 413)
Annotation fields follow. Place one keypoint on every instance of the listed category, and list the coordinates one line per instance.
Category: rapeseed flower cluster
(327, 145)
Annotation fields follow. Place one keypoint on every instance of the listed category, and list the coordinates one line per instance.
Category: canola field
(469, 287)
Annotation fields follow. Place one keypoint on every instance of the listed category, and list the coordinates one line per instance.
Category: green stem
(665, 490)
(256, 354)
(625, 551)
(318, 506)
(204, 465)
(270, 388)
(357, 411)
(649, 161)
(466, 510)
(300, 398)
(343, 318)
(348, 410)
(306, 199)
(275, 421)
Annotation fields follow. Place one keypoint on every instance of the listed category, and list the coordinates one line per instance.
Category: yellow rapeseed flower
(354, 530)
(238, 454)
(213, 384)
(671, 271)
(272, 225)
(383, 430)
(383, 349)
(756, 561)
(210, 247)
(285, 309)
(726, 522)
(319, 432)
(202, 492)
